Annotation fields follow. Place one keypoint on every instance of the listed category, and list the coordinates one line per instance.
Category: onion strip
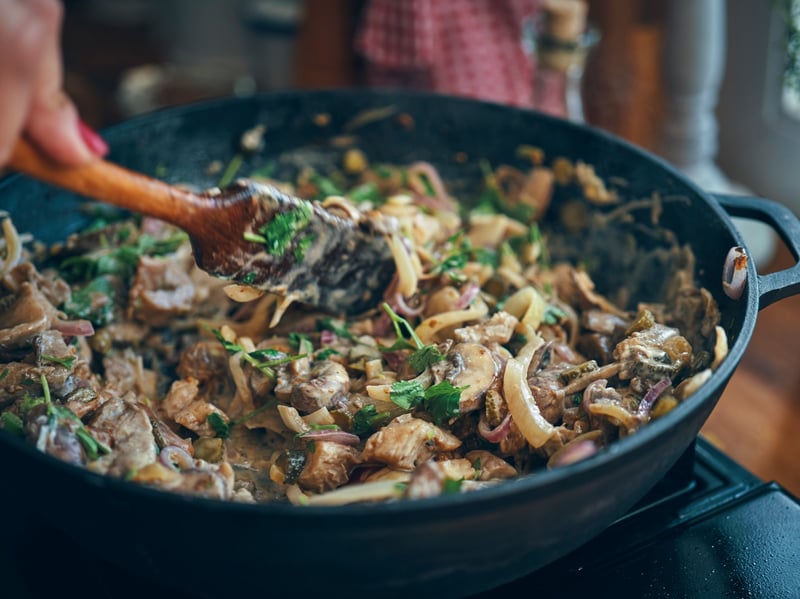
(521, 403)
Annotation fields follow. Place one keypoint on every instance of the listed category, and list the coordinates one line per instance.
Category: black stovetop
(708, 529)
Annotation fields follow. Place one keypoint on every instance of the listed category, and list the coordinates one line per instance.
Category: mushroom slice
(469, 365)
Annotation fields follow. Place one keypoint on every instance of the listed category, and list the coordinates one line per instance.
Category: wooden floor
(757, 420)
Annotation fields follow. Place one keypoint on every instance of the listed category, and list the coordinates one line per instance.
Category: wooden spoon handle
(112, 184)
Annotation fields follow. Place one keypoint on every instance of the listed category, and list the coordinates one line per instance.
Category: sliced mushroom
(469, 365)
(329, 381)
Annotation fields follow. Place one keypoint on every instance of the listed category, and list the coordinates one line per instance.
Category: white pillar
(694, 63)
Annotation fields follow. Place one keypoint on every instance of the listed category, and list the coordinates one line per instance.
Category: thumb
(54, 126)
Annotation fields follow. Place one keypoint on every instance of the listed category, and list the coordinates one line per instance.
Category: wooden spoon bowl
(249, 233)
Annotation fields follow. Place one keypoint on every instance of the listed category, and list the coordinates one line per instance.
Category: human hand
(32, 101)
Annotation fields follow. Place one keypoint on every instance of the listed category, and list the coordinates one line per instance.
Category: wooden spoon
(249, 233)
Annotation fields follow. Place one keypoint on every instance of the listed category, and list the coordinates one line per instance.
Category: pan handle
(784, 283)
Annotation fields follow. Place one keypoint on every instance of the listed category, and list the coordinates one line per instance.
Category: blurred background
(709, 85)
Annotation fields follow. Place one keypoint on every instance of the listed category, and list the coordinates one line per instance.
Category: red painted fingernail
(93, 141)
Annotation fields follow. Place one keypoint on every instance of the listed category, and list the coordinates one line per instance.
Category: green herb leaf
(401, 323)
(4, 374)
(93, 448)
(451, 487)
(262, 359)
(326, 353)
(329, 324)
(366, 192)
(254, 238)
(230, 171)
(302, 247)
(12, 423)
(217, 422)
(407, 394)
(301, 343)
(66, 362)
(441, 400)
(84, 302)
(553, 315)
(325, 186)
(368, 419)
(282, 229)
(424, 357)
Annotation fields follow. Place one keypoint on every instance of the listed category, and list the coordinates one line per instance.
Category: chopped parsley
(278, 234)
(368, 419)
(407, 394)
(330, 324)
(62, 414)
(249, 278)
(12, 423)
(326, 353)
(452, 487)
(66, 362)
(325, 186)
(461, 252)
(301, 343)
(230, 171)
(263, 360)
(220, 426)
(84, 303)
(424, 355)
(4, 374)
(553, 315)
(492, 199)
(366, 192)
(440, 400)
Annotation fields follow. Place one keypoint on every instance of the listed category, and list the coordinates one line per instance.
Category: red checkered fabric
(463, 47)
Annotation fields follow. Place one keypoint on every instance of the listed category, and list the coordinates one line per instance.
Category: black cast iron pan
(448, 546)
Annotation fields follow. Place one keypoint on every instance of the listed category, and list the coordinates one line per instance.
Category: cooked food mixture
(491, 355)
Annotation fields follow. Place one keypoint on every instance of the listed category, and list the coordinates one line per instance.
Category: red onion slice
(652, 395)
(573, 452)
(734, 272)
(335, 436)
(468, 293)
(176, 458)
(496, 434)
(399, 305)
(74, 328)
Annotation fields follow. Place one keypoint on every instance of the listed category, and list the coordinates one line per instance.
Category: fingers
(31, 77)
(20, 54)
